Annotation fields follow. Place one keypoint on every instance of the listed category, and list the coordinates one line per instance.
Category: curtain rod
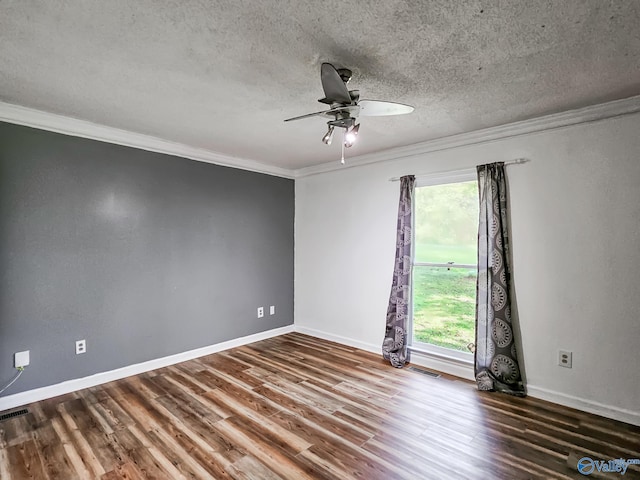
(451, 172)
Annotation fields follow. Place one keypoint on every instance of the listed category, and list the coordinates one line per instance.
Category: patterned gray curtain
(394, 347)
(496, 359)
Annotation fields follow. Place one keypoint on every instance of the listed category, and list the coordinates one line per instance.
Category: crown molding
(554, 121)
(30, 117)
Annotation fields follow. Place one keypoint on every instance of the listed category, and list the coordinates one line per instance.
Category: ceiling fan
(345, 106)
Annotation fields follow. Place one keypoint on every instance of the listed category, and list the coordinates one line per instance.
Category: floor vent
(425, 372)
(17, 413)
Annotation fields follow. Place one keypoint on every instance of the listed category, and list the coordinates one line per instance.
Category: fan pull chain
(344, 134)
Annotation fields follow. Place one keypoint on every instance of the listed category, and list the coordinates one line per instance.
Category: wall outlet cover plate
(81, 347)
(565, 358)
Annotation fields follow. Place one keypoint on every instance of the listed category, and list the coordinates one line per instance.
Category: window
(445, 266)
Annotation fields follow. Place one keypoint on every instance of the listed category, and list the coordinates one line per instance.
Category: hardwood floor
(296, 407)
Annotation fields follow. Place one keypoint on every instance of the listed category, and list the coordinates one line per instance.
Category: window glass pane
(444, 306)
(446, 226)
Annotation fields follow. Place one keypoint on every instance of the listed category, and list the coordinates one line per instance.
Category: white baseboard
(37, 394)
(452, 367)
(369, 347)
(433, 362)
(609, 411)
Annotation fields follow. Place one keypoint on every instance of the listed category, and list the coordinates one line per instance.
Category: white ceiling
(223, 76)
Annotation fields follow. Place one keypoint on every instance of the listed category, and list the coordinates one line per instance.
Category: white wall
(575, 210)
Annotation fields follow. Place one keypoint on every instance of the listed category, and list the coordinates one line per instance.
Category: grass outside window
(444, 306)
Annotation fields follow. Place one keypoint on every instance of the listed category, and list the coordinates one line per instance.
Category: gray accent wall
(142, 254)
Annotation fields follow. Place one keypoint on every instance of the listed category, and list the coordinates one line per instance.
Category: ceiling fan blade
(352, 110)
(334, 88)
(316, 114)
(377, 108)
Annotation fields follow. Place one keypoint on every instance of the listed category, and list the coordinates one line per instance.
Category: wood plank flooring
(296, 407)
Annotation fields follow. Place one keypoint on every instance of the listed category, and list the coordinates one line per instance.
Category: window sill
(442, 356)
(459, 367)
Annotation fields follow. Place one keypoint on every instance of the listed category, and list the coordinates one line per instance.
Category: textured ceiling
(223, 75)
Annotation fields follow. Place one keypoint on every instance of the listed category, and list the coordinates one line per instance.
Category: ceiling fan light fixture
(328, 136)
(351, 136)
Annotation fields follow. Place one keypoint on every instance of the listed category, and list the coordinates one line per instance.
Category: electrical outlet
(565, 358)
(272, 310)
(21, 359)
(260, 312)
(81, 347)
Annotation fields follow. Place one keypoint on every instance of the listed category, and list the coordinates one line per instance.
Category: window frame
(458, 176)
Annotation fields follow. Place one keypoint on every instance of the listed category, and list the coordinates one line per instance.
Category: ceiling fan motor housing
(345, 74)
(342, 121)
